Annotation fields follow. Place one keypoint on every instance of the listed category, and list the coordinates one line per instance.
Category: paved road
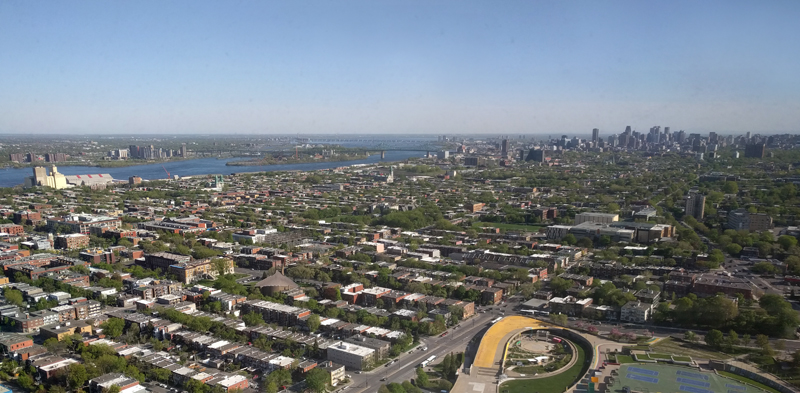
(405, 369)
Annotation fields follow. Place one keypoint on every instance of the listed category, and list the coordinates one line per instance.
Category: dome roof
(277, 280)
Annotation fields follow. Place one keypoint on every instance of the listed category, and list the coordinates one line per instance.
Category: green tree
(585, 242)
(26, 381)
(422, 378)
(14, 297)
(112, 389)
(714, 338)
(253, 319)
(787, 241)
(313, 322)
(76, 376)
(409, 388)
(762, 341)
(560, 285)
(732, 340)
(113, 327)
(690, 336)
(559, 319)
(733, 249)
(271, 387)
(569, 239)
(730, 187)
(317, 380)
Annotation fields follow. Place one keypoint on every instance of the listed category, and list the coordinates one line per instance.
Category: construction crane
(165, 170)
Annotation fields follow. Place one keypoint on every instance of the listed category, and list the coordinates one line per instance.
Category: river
(202, 166)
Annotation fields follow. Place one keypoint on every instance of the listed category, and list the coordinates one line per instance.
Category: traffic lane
(405, 369)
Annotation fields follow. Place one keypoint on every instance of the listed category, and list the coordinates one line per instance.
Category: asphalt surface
(405, 368)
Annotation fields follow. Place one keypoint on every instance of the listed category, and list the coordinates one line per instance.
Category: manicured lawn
(555, 384)
(696, 351)
(660, 356)
(682, 358)
(747, 380)
(622, 359)
(508, 227)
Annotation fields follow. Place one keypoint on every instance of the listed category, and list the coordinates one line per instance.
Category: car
(358, 372)
(383, 379)
(387, 364)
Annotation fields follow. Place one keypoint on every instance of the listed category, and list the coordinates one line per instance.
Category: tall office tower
(535, 155)
(712, 137)
(628, 129)
(183, 150)
(504, 148)
(681, 136)
(133, 151)
(695, 205)
(595, 134)
(747, 136)
(666, 130)
(754, 150)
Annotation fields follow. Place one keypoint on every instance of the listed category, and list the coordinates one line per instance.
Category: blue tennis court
(693, 382)
(642, 378)
(643, 371)
(736, 387)
(692, 375)
(692, 389)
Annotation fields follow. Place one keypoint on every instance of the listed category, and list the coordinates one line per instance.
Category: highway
(405, 369)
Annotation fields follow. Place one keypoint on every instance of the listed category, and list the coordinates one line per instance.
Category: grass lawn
(682, 358)
(530, 370)
(508, 227)
(641, 356)
(622, 359)
(659, 356)
(555, 384)
(747, 380)
(696, 351)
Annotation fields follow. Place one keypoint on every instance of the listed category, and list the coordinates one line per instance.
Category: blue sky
(429, 67)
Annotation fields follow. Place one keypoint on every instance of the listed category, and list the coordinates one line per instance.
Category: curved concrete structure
(485, 370)
(498, 335)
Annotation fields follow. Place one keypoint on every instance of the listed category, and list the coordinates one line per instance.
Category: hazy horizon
(398, 67)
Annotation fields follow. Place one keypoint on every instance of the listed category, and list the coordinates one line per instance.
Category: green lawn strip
(529, 370)
(748, 380)
(513, 227)
(622, 359)
(659, 356)
(682, 358)
(555, 384)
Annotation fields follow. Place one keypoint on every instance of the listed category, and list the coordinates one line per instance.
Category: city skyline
(518, 68)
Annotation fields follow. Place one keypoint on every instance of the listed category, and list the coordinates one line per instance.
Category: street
(405, 369)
